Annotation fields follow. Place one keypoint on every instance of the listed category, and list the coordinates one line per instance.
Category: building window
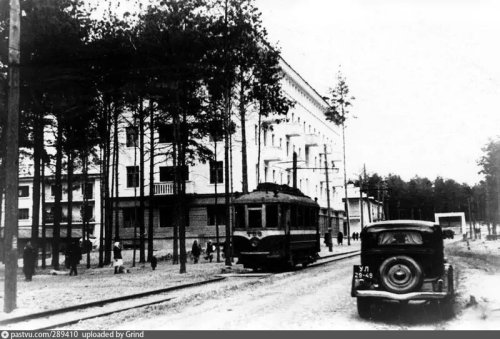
(88, 191)
(281, 178)
(167, 216)
(265, 137)
(287, 146)
(24, 213)
(133, 176)
(272, 140)
(87, 214)
(216, 211)
(265, 173)
(131, 133)
(167, 173)
(129, 217)
(280, 142)
(274, 175)
(53, 190)
(293, 117)
(24, 191)
(216, 171)
(166, 133)
(288, 179)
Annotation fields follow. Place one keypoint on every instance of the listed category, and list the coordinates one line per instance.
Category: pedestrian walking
(196, 251)
(340, 238)
(357, 235)
(29, 257)
(209, 251)
(117, 256)
(154, 262)
(353, 235)
(74, 257)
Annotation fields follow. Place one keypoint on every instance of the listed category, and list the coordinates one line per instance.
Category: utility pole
(378, 201)
(348, 228)
(328, 203)
(498, 201)
(470, 218)
(12, 162)
(360, 202)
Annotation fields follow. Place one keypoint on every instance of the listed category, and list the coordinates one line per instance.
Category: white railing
(167, 188)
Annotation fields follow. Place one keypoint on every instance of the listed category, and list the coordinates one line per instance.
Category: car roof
(400, 224)
(403, 222)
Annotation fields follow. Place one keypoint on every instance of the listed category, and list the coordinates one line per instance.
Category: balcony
(167, 188)
(312, 140)
(293, 129)
(272, 153)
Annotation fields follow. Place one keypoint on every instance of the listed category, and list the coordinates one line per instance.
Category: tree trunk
(142, 257)
(58, 196)
(44, 239)
(182, 181)
(151, 181)
(117, 162)
(244, 164)
(38, 150)
(227, 115)
(70, 204)
(108, 223)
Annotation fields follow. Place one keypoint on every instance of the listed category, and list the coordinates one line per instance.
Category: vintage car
(448, 234)
(402, 260)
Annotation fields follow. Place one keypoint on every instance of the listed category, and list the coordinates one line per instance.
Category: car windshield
(400, 237)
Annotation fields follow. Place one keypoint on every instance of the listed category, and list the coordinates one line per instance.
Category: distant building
(363, 209)
(92, 214)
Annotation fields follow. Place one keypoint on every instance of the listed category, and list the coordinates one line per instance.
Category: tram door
(285, 223)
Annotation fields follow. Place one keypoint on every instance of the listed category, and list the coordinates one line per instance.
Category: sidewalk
(336, 249)
(46, 292)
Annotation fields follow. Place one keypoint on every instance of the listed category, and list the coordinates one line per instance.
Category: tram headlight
(254, 242)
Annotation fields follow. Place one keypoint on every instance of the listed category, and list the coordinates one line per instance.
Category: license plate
(362, 272)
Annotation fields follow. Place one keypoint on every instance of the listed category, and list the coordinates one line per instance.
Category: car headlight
(254, 242)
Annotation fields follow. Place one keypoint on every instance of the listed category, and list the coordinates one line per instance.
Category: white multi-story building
(46, 213)
(305, 131)
(363, 209)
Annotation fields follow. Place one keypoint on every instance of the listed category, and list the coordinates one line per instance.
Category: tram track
(59, 318)
(26, 319)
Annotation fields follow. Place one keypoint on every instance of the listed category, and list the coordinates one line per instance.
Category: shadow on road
(413, 313)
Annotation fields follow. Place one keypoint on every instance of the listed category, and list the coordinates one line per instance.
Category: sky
(425, 75)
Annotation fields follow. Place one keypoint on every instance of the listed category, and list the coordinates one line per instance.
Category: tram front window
(272, 216)
(240, 216)
(254, 218)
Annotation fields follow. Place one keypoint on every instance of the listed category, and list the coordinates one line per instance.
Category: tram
(276, 226)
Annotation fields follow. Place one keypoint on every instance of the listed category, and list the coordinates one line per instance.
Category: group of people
(196, 251)
(340, 237)
(73, 257)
